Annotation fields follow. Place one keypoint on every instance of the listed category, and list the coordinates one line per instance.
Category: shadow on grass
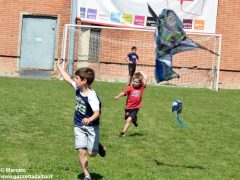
(136, 134)
(176, 165)
(94, 176)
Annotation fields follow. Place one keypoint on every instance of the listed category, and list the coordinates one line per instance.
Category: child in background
(132, 59)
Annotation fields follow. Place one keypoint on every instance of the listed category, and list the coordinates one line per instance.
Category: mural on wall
(196, 15)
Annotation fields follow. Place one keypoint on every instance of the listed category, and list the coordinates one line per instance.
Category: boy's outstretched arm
(120, 95)
(64, 74)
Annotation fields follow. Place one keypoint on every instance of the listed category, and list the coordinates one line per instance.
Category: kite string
(167, 3)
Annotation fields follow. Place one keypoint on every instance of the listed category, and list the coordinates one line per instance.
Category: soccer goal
(104, 49)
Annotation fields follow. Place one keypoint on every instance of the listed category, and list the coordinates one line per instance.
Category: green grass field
(36, 133)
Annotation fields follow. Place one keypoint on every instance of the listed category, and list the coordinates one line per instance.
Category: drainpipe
(71, 40)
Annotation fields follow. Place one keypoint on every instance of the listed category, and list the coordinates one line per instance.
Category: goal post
(104, 49)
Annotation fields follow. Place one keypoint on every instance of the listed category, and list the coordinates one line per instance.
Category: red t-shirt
(134, 99)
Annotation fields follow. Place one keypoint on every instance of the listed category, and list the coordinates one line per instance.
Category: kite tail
(189, 44)
(179, 121)
(204, 48)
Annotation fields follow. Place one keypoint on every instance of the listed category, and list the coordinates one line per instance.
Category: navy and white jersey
(85, 106)
(133, 57)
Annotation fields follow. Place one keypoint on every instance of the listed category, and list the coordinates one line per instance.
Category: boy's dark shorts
(131, 113)
(131, 69)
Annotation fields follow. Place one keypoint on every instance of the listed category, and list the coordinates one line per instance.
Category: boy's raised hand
(60, 61)
(63, 73)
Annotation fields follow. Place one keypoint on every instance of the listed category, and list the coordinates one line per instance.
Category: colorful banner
(196, 15)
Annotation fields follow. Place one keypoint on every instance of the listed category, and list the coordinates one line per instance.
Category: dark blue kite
(170, 39)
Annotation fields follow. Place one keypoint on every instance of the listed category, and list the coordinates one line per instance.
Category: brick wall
(228, 25)
(10, 36)
(8, 66)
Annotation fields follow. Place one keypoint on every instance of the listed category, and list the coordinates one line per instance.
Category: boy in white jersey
(86, 118)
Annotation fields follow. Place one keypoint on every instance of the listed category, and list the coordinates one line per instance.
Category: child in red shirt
(134, 94)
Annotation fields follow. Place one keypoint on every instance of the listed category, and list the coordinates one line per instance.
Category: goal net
(104, 49)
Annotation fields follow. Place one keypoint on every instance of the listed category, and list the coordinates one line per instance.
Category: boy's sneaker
(87, 178)
(101, 150)
(122, 134)
(135, 123)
